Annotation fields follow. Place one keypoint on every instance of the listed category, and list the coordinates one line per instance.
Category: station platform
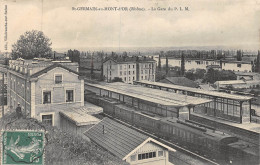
(246, 131)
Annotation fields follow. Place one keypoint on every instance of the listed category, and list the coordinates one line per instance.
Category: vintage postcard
(147, 82)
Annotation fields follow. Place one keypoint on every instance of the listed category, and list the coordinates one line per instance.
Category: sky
(229, 23)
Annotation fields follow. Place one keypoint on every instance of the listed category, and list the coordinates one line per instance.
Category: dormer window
(58, 79)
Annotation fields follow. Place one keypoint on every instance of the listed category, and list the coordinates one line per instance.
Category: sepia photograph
(130, 82)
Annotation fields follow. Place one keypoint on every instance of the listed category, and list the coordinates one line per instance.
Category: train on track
(198, 138)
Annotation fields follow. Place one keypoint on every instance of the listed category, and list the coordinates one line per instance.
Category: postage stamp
(22, 147)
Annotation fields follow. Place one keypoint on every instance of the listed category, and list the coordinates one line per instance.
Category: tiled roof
(117, 138)
(47, 69)
(183, 81)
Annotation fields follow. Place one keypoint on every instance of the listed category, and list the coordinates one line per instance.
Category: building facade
(43, 88)
(129, 69)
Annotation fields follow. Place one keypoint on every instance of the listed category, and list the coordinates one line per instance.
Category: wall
(150, 147)
(72, 128)
(18, 91)
(146, 72)
(107, 70)
(202, 64)
(46, 82)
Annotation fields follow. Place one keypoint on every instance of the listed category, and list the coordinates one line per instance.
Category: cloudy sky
(231, 23)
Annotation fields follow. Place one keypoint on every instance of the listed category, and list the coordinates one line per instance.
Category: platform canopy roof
(151, 95)
(198, 91)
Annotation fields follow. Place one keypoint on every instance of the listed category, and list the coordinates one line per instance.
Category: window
(120, 73)
(110, 66)
(133, 72)
(125, 78)
(46, 97)
(120, 67)
(133, 78)
(129, 72)
(58, 79)
(133, 66)
(110, 73)
(133, 157)
(146, 155)
(160, 153)
(129, 79)
(69, 95)
(129, 66)
(47, 119)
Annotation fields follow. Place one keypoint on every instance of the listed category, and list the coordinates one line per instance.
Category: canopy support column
(241, 111)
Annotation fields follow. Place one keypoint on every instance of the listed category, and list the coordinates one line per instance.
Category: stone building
(43, 88)
(129, 69)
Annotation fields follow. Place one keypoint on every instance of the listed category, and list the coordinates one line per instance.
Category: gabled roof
(118, 139)
(183, 81)
(47, 69)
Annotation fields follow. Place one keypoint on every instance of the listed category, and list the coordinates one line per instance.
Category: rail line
(190, 153)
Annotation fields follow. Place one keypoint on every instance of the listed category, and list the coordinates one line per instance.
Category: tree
(199, 73)
(159, 63)
(182, 64)
(214, 75)
(167, 65)
(74, 55)
(92, 65)
(32, 44)
(190, 75)
(256, 64)
(239, 55)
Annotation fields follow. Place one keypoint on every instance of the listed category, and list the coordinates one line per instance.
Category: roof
(47, 69)
(88, 108)
(127, 59)
(118, 139)
(183, 81)
(207, 87)
(151, 95)
(213, 66)
(91, 108)
(78, 118)
(246, 73)
(247, 78)
(230, 82)
(198, 91)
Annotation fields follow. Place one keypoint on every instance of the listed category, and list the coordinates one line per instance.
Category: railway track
(194, 155)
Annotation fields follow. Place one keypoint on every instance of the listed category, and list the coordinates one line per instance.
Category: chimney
(104, 131)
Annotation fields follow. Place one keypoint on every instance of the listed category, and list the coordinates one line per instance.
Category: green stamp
(22, 147)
